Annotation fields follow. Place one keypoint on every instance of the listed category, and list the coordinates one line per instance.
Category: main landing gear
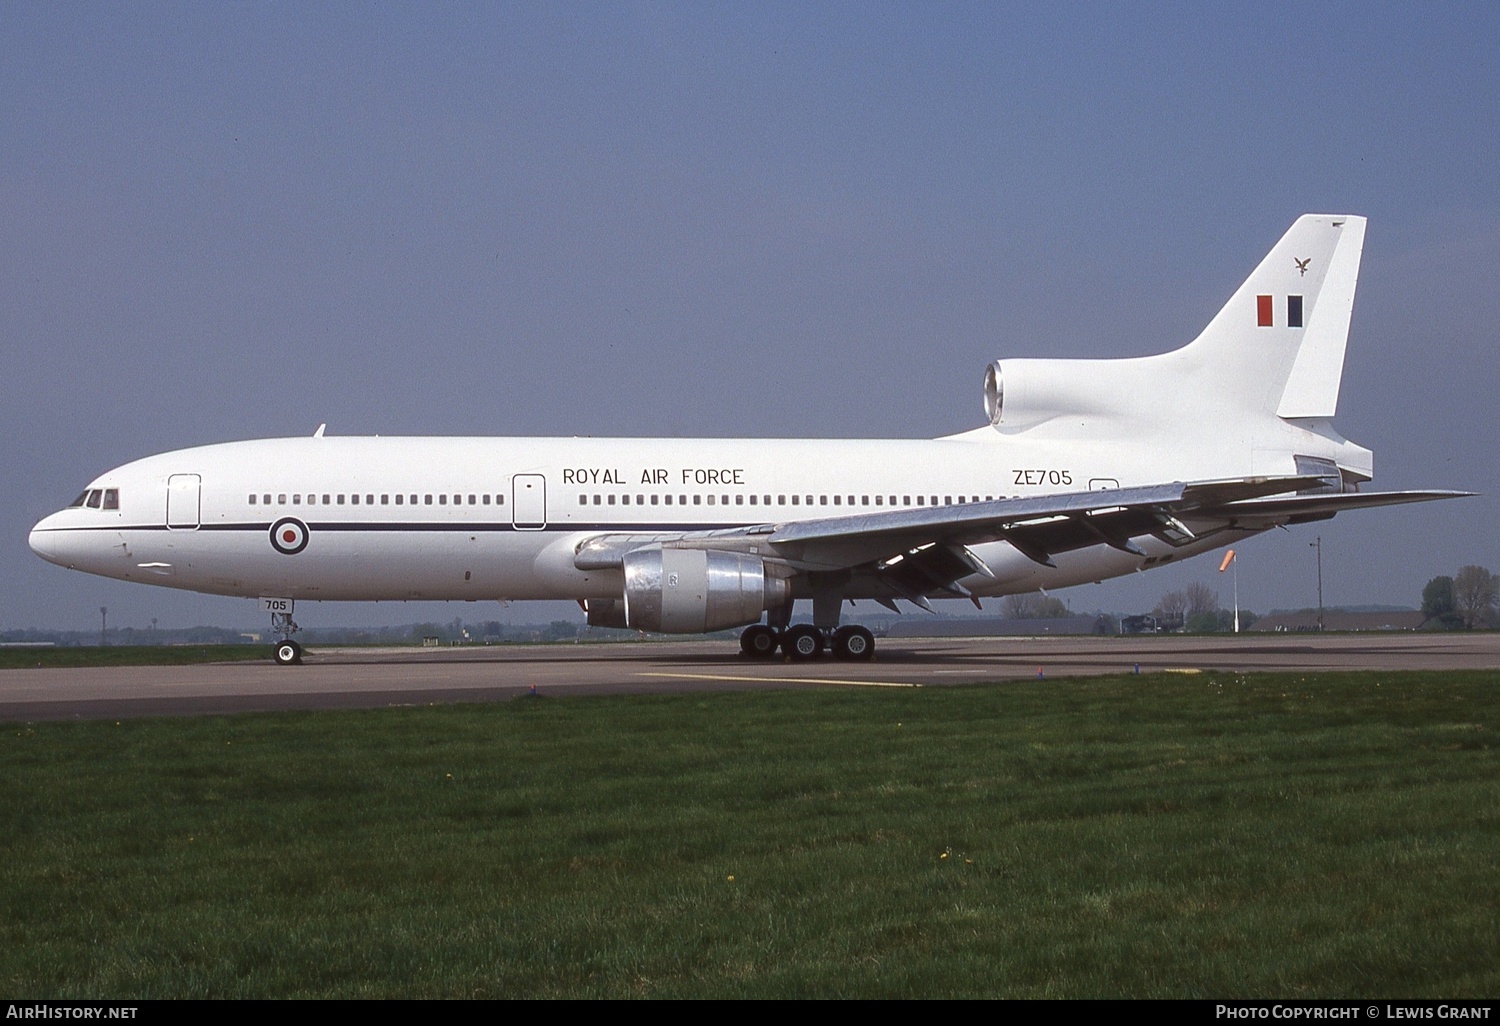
(287, 652)
(804, 641)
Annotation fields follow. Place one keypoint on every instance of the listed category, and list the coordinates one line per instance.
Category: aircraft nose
(45, 541)
(41, 543)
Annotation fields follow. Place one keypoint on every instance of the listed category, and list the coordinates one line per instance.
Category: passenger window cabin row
(600, 499)
(368, 499)
(597, 499)
(109, 498)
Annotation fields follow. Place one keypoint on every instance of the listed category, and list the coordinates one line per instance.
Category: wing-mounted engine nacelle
(693, 591)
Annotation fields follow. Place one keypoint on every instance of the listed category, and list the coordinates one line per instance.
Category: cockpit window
(82, 498)
(93, 499)
(111, 498)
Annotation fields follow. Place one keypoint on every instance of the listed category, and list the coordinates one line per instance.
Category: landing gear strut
(853, 642)
(804, 641)
(287, 652)
(759, 641)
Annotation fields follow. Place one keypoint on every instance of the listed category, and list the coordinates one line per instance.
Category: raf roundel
(289, 535)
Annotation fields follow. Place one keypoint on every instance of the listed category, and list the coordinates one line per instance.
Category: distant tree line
(1465, 601)
(1033, 605)
(1196, 609)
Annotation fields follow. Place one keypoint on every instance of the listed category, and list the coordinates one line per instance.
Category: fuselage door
(183, 492)
(528, 502)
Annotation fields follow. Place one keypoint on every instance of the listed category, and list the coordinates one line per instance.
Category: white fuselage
(502, 518)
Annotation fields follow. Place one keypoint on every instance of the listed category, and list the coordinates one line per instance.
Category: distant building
(1335, 620)
(1148, 624)
(991, 626)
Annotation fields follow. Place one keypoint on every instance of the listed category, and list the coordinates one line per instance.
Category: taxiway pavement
(370, 678)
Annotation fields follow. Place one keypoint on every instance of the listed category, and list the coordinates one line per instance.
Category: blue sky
(231, 221)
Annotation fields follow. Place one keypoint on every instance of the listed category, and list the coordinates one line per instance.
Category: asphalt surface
(354, 678)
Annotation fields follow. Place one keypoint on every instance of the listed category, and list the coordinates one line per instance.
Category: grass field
(1164, 836)
(129, 655)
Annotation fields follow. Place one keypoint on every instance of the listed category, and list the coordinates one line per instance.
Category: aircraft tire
(759, 641)
(288, 653)
(803, 641)
(853, 643)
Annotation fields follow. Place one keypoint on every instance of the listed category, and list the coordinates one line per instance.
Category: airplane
(1086, 469)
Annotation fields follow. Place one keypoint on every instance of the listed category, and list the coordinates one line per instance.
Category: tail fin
(1278, 344)
(1276, 349)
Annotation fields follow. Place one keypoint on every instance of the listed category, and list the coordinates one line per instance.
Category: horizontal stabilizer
(1313, 505)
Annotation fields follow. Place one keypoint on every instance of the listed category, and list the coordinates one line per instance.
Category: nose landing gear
(287, 652)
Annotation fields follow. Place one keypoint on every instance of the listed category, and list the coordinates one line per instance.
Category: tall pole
(1319, 546)
(1320, 582)
(1236, 594)
(1232, 557)
(103, 623)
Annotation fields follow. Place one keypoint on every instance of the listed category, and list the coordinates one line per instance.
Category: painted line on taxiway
(786, 680)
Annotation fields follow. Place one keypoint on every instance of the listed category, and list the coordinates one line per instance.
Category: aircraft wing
(925, 550)
(1035, 525)
(1038, 527)
(1059, 523)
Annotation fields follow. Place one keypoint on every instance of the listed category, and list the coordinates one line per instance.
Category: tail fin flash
(1278, 344)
